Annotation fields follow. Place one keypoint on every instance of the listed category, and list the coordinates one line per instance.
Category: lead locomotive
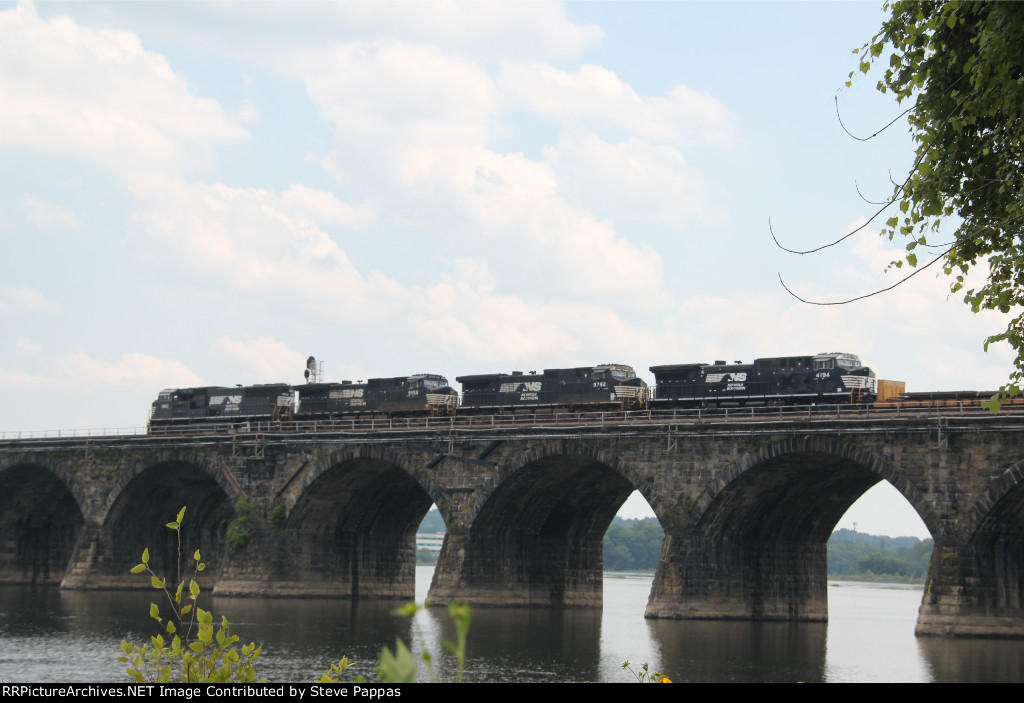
(833, 378)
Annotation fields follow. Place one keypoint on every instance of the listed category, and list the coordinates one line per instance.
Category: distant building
(430, 541)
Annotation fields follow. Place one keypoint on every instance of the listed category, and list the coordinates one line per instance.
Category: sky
(206, 193)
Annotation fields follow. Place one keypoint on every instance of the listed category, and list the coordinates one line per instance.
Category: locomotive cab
(844, 374)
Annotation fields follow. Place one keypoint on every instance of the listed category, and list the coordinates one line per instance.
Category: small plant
(195, 652)
(237, 535)
(645, 676)
(211, 656)
(401, 667)
(278, 517)
(333, 675)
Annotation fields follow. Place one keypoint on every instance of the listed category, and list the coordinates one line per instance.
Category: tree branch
(864, 139)
(866, 295)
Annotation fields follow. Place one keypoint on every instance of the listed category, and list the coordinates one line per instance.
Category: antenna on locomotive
(314, 370)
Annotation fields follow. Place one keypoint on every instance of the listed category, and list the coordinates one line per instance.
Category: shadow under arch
(40, 524)
(137, 519)
(536, 539)
(351, 532)
(755, 543)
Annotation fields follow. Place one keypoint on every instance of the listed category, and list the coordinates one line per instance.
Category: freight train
(833, 378)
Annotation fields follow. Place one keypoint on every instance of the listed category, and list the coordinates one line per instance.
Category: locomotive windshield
(843, 361)
(621, 373)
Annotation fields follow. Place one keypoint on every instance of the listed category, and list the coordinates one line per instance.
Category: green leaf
(145, 555)
(181, 515)
(154, 612)
(399, 667)
(138, 568)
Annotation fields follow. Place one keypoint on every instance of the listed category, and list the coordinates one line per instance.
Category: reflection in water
(49, 635)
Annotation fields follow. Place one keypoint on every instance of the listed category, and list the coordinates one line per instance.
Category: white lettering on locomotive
(347, 393)
(718, 377)
(526, 386)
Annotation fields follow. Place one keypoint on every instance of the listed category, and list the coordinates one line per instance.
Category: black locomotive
(185, 406)
(422, 393)
(402, 394)
(832, 378)
(606, 384)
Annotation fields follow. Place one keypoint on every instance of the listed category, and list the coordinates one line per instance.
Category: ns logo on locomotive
(833, 378)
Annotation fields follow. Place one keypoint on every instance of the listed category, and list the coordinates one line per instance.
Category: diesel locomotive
(833, 378)
(420, 393)
(614, 385)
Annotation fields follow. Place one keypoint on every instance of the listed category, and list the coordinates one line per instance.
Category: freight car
(832, 378)
(613, 385)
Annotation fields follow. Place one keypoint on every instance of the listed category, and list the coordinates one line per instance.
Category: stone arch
(754, 544)
(351, 526)
(129, 474)
(861, 468)
(589, 452)
(41, 521)
(534, 536)
(150, 495)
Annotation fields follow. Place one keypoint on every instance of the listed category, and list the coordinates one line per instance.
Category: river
(48, 635)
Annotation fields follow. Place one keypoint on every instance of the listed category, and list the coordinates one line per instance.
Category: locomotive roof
(673, 368)
(391, 380)
(545, 372)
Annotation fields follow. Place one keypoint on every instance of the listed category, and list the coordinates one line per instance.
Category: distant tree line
(632, 545)
(857, 554)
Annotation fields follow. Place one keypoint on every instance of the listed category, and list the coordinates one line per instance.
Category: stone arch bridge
(747, 506)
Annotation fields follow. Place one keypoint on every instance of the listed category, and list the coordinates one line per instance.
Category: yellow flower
(664, 679)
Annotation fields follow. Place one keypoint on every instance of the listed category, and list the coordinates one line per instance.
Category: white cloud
(635, 179)
(404, 92)
(325, 208)
(75, 91)
(251, 241)
(26, 347)
(45, 214)
(25, 298)
(78, 372)
(597, 97)
(485, 30)
(270, 32)
(265, 360)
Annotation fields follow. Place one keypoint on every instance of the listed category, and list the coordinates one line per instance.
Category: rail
(694, 416)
